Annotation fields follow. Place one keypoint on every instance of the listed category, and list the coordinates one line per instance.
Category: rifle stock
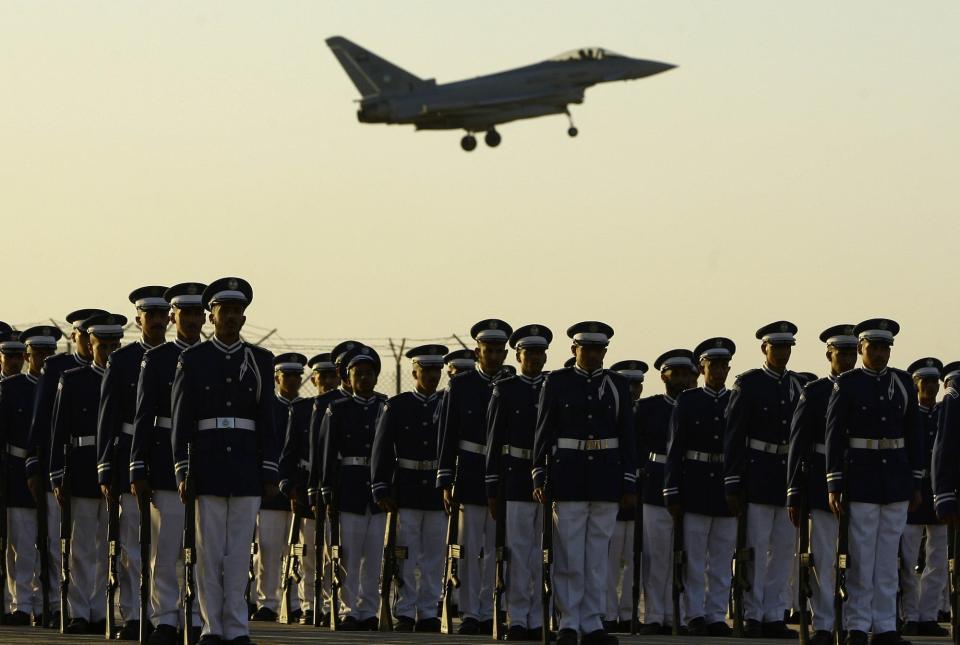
(143, 502)
(637, 561)
(500, 567)
(804, 566)
(389, 570)
(291, 566)
(335, 582)
(954, 545)
(318, 568)
(679, 563)
(66, 526)
(840, 566)
(43, 551)
(3, 529)
(113, 547)
(189, 548)
(742, 557)
(546, 547)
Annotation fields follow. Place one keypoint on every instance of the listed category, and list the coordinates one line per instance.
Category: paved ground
(293, 634)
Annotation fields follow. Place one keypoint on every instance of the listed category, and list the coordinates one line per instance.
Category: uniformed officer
(693, 490)
(946, 448)
(460, 360)
(875, 461)
(323, 372)
(922, 590)
(151, 460)
(118, 406)
(16, 411)
(348, 430)
(755, 454)
(586, 420)
(951, 377)
(404, 470)
(807, 473)
(463, 436)
(273, 521)
(75, 423)
(511, 422)
(678, 371)
(619, 582)
(223, 410)
(38, 442)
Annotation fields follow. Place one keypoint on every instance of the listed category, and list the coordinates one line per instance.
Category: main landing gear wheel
(492, 138)
(572, 131)
(468, 142)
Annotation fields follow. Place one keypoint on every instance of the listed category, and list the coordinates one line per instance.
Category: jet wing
(449, 105)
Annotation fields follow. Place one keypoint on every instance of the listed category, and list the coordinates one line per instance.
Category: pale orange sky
(799, 163)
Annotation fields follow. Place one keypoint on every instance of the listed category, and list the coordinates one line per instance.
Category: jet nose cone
(644, 68)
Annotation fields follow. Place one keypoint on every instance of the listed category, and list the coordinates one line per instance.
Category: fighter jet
(392, 95)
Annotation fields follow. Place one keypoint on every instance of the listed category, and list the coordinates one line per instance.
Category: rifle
(334, 565)
(742, 557)
(840, 586)
(318, 569)
(43, 546)
(113, 546)
(251, 573)
(546, 546)
(805, 564)
(679, 564)
(143, 502)
(189, 548)
(637, 561)
(502, 556)
(291, 566)
(389, 570)
(66, 525)
(922, 554)
(954, 545)
(451, 579)
(3, 529)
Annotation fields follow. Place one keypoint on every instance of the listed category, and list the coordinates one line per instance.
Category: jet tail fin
(370, 73)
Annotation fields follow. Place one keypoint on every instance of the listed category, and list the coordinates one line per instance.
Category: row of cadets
(874, 454)
(678, 371)
(693, 490)
(223, 410)
(511, 422)
(348, 429)
(17, 393)
(38, 443)
(755, 453)
(809, 485)
(151, 462)
(118, 404)
(619, 583)
(403, 471)
(585, 421)
(462, 437)
(75, 423)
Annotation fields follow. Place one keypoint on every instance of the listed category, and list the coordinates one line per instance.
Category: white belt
(354, 461)
(657, 459)
(876, 444)
(16, 451)
(127, 428)
(162, 422)
(221, 423)
(83, 442)
(588, 444)
(820, 448)
(770, 448)
(518, 453)
(471, 446)
(705, 457)
(415, 464)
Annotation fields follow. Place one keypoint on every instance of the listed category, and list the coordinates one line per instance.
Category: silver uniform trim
(163, 422)
(127, 429)
(354, 461)
(588, 444)
(417, 464)
(705, 457)
(472, 446)
(769, 448)
(226, 423)
(518, 453)
(876, 444)
(16, 451)
(657, 458)
(84, 442)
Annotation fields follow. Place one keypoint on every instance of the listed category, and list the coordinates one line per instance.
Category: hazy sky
(801, 163)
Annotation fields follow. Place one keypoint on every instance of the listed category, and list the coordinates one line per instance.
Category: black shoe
(610, 625)
(404, 624)
(777, 629)
(469, 627)
(307, 617)
(791, 617)
(130, 631)
(210, 639)
(943, 616)
(650, 629)
(18, 619)
(667, 630)
(264, 615)
(486, 627)
(78, 626)
(516, 633)
(348, 624)
(623, 626)
(719, 629)
(430, 625)
(99, 627)
(821, 637)
(931, 628)
(371, 624)
(241, 640)
(54, 622)
(856, 637)
(910, 628)
(163, 635)
(294, 616)
(567, 637)
(752, 629)
(196, 633)
(697, 627)
(888, 638)
(599, 637)
(536, 634)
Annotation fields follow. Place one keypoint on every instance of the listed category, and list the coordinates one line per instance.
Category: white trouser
(620, 573)
(23, 564)
(657, 565)
(311, 550)
(166, 552)
(53, 549)
(582, 535)
(875, 532)
(272, 529)
(524, 566)
(709, 543)
(477, 537)
(129, 557)
(823, 547)
(308, 565)
(361, 539)
(771, 536)
(922, 593)
(423, 533)
(225, 526)
(87, 597)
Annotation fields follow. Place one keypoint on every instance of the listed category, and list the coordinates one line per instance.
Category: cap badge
(493, 324)
(594, 328)
(883, 325)
(929, 362)
(718, 342)
(110, 320)
(848, 330)
(534, 330)
(784, 327)
(192, 290)
(232, 284)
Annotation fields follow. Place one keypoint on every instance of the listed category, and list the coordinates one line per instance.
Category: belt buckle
(226, 422)
(591, 444)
